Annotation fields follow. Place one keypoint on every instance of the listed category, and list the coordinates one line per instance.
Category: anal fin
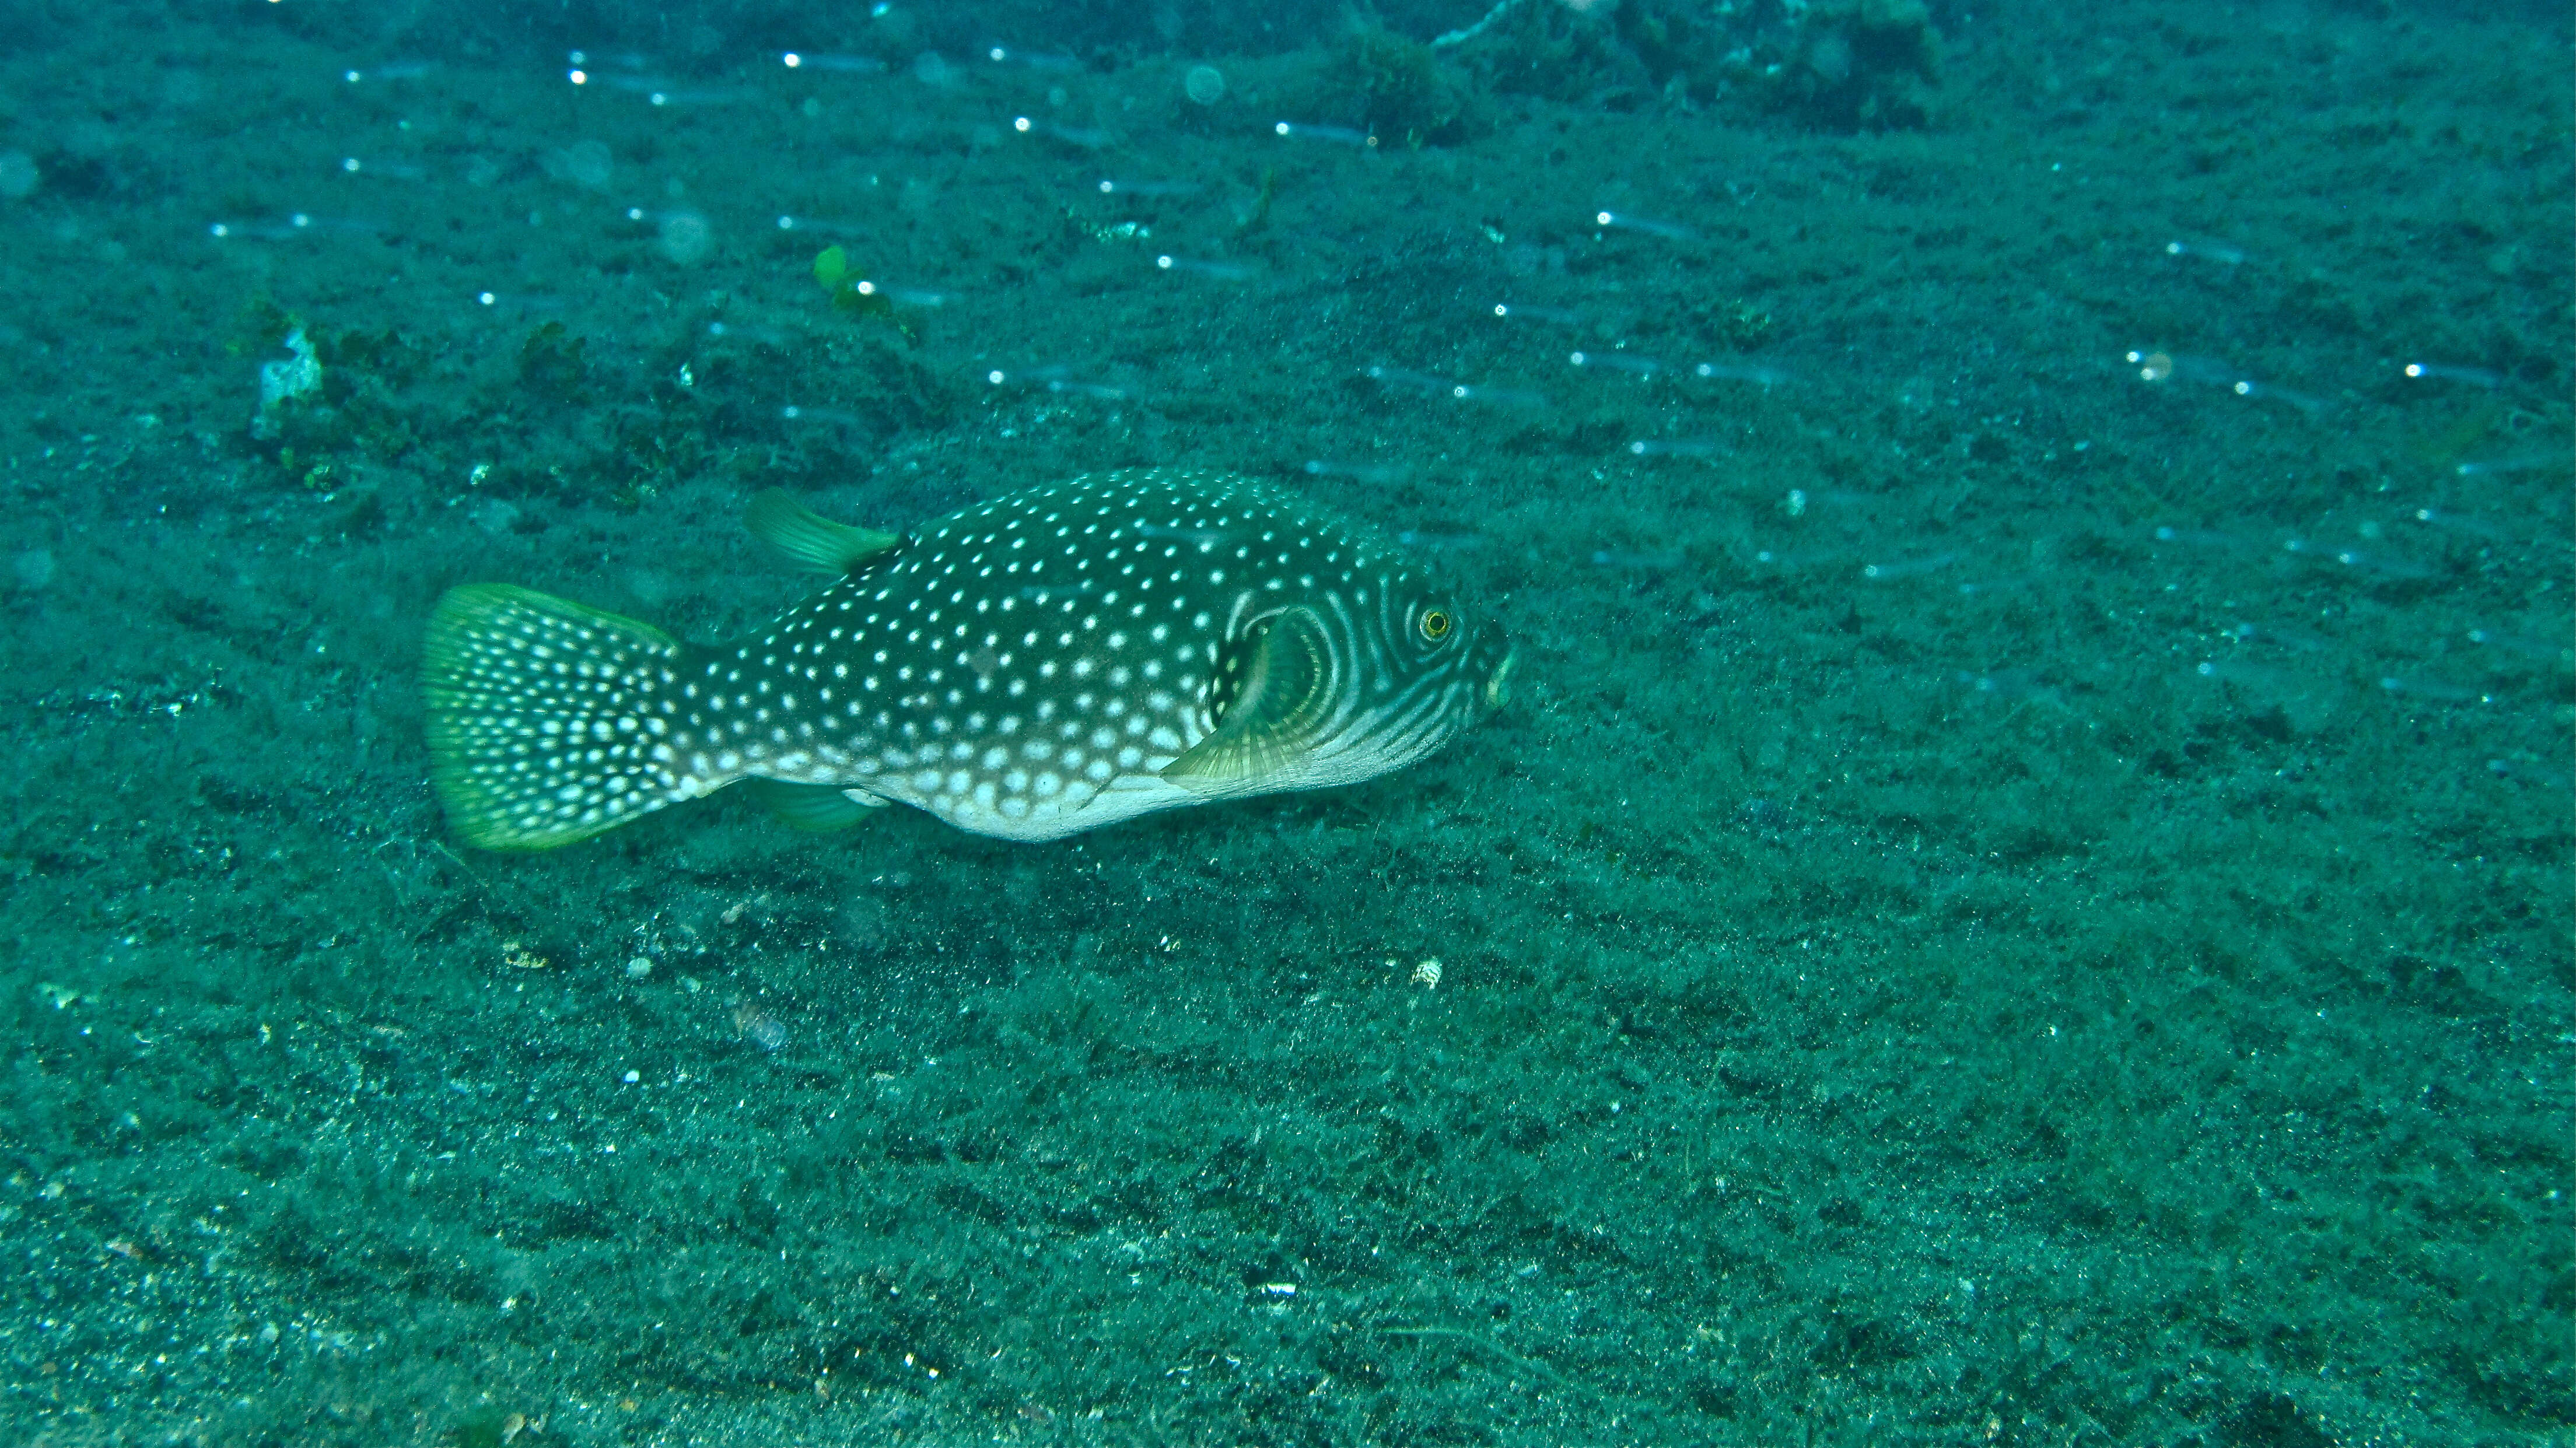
(819, 808)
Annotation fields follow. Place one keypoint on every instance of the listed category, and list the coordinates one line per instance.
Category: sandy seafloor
(2015, 904)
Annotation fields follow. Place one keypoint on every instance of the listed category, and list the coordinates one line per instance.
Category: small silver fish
(1031, 667)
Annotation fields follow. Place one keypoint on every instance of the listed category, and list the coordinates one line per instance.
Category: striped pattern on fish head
(1345, 660)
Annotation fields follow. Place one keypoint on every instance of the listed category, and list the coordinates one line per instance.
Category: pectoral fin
(1276, 718)
(809, 539)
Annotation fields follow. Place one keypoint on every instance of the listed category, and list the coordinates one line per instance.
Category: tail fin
(548, 721)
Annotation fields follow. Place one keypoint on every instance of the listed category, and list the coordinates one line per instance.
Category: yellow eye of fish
(1435, 625)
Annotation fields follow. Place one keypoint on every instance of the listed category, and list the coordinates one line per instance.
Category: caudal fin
(548, 721)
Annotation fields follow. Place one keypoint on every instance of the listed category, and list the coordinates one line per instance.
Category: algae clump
(855, 294)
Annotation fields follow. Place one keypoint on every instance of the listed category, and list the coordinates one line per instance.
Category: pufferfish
(1045, 663)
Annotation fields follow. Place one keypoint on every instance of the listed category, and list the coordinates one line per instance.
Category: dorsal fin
(810, 540)
(1274, 720)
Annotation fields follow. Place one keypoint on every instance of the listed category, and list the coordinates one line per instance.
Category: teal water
(2023, 895)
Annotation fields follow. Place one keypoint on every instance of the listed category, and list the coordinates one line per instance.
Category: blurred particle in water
(1359, 472)
(1205, 84)
(1753, 372)
(759, 1027)
(2223, 253)
(2450, 372)
(1908, 568)
(1150, 190)
(18, 175)
(33, 570)
(685, 238)
(1030, 59)
(843, 64)
(1622, 221)
(2523, 464)
(1223, 271)
(1617, 362)
(1340, 135)
(583, 163)
(1632, 560)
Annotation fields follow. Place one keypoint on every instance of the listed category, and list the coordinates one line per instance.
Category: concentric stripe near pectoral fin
(1276, 720)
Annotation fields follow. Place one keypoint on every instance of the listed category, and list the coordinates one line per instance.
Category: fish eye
(1435, 625)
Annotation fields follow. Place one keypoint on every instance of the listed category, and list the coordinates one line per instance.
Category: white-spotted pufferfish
(1045, 663)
